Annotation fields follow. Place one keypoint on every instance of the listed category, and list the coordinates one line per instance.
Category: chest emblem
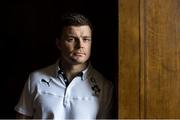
(46, 82)
(95, 87)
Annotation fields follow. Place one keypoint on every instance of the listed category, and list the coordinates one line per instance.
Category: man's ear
(58, 43)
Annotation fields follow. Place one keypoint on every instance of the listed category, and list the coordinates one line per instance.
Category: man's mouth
(79, 54)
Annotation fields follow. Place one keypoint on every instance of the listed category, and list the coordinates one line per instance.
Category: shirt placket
(66, 94)
(68, 90)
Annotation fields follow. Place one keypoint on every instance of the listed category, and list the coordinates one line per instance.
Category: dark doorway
(27, 41)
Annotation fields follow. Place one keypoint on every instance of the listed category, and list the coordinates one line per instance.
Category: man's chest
(77, 99)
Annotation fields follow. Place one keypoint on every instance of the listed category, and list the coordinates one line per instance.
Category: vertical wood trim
(129, 57)
(142, 62)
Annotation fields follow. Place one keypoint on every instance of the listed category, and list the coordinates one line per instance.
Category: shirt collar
(84, 74)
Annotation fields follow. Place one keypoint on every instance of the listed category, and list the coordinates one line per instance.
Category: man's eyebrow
(86, 36)
(73, 36)
(70, 35)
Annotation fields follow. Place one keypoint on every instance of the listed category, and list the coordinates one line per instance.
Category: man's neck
(72, 70)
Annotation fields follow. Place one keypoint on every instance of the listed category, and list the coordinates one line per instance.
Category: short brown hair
(70, 19)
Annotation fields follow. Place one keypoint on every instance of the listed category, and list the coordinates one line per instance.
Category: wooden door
(149, 59)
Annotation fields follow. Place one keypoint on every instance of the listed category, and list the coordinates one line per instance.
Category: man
(71, 88)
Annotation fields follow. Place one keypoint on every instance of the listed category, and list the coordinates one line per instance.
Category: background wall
(149, 59)
(27, 41)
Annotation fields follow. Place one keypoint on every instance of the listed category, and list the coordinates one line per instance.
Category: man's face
(75, 44)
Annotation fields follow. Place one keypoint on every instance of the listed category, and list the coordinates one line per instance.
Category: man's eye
(70, 39)
(87, 39)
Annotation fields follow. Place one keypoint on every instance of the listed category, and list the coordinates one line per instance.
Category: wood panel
(128, 95)
(162, 44)
(149, 59)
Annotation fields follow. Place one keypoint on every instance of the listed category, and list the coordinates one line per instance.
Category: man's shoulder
(101, 78)
(46, 71)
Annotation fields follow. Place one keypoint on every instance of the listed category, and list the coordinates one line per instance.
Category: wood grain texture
(128, 95)
(162, 36)
(149, 59)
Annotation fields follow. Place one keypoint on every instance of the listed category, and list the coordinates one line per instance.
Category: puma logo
(47, 82)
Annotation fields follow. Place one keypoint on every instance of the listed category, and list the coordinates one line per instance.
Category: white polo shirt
(45, 95)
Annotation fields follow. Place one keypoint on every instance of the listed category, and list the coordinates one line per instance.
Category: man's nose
(79, 43)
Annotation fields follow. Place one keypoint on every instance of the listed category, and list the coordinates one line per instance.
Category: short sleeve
(25, 103)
